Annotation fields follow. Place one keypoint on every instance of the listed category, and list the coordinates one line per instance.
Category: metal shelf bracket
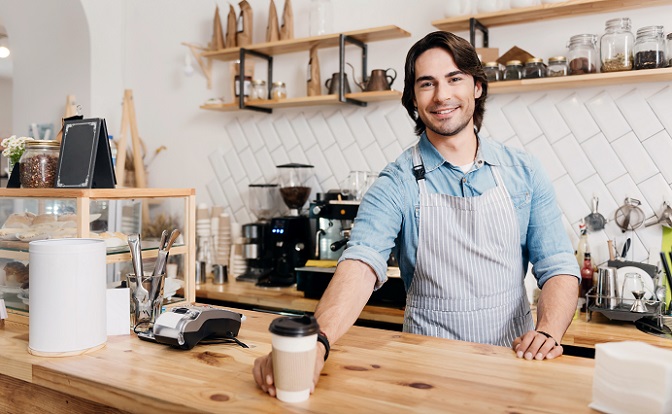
(474, 25)
(341, 65)
(241, 79)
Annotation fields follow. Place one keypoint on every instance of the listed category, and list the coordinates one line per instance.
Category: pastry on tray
(16, 274)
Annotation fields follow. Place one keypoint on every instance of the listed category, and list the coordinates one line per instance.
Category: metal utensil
(595, 221)
(665, 217)
(164, 249)
(629, 216)
(136, 258)
(162, 241)
(626, 247)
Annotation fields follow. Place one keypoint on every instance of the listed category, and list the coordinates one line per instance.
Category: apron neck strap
(418, 166)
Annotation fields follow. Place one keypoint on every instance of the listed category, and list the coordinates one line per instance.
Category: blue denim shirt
(388, 215)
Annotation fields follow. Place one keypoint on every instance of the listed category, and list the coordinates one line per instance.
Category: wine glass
(633, 286)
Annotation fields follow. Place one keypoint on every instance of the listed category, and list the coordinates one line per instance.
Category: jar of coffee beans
(557, 66)
(534, 68)
(38, 165)
(492, 71)
(513, 70)
(582, 54)
(650, 48)
(668, 50)
(616, 45)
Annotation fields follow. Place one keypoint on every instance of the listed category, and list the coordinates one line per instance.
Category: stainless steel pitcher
(607, 289)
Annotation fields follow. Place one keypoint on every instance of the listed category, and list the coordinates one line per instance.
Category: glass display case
(108, 214)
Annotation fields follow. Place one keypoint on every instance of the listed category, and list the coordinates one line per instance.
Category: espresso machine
(257, 249)
(334, 213)
(290, 236)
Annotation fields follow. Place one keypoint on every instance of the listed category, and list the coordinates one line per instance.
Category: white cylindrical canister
(67, 297)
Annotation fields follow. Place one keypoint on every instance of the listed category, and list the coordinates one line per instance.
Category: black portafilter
(338, 244)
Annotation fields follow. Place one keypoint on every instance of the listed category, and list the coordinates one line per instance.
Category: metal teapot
(378, 81)
(334, 83)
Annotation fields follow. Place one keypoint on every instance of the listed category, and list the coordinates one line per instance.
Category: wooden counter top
(369, 370)
(580, 333)
(600, 329)
(284, 299)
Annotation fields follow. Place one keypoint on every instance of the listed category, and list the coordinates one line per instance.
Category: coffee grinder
(291, 240)
(257, 248)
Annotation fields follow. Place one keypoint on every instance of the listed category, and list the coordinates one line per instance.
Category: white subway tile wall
(611, 142)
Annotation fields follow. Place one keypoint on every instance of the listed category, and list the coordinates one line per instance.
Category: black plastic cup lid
(294, 326)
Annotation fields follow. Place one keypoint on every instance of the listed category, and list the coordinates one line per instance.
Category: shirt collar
(432, 159)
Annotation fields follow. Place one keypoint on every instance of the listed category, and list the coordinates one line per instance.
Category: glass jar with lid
(259, 89)
(38, 165)
(650, 48)
(582, 54)
(513, 70)
(278, 90)
(616, 45)
(534, 68)
(557, 66)
(669, 50)
(492, 71)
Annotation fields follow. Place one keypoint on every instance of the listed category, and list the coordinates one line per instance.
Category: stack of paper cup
(223, 242)
(215, 211)
(203, 225)
(238, 264)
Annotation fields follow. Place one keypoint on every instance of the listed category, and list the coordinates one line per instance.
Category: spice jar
(39, 164)
(492, 71)
(582, 54)
(247, 82)
(616, 46)
(259, 89)
(557, 66)
(650, 48)
(513, 70)
(278, 90)
(534, 68)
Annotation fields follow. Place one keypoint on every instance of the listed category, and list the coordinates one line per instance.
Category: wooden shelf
(303, 44)
(544, 12)
(583, 81)
(306, 101)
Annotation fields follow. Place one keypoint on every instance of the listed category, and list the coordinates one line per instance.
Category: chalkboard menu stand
(14, 180)
(86, 159)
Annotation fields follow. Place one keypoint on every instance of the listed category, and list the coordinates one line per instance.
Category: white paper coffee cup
(294, 342)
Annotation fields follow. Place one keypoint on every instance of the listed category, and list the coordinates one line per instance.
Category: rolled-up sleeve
(549, 247)
(377, 225)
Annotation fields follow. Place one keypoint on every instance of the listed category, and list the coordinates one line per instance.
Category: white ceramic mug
(489, 6)
(517, 4)
(454, 8)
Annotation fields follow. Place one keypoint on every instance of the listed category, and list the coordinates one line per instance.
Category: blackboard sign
(86, 159)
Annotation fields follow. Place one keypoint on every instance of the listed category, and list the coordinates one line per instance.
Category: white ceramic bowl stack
(238, 264)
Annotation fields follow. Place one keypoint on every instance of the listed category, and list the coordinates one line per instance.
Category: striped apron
(468, 282)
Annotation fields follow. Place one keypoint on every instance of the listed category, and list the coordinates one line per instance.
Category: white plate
(646, 278)
(10, 289)
(23, 298)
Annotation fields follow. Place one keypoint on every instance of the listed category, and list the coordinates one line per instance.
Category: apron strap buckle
(419, 172)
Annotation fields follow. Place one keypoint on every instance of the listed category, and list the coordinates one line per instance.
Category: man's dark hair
(465, 58)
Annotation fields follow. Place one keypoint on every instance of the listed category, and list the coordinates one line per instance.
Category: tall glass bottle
(321, 17)
(616, 45)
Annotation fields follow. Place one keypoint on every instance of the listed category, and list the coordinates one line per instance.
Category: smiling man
(464, 215)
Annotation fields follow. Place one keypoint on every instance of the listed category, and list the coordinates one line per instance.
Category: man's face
(444, 95)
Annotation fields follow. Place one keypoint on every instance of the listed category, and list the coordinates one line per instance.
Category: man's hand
(535, 345)
(263, 371)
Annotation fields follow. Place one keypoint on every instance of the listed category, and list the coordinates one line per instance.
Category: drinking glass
(633, 285)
